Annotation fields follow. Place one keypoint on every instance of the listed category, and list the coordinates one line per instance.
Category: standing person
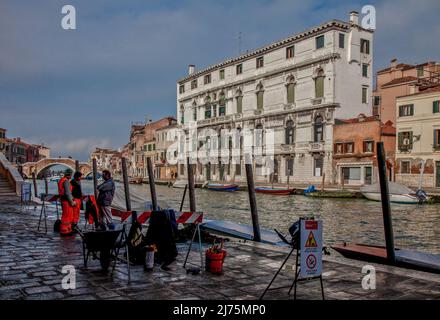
(77, 197)
(105, 197)
(67, 203)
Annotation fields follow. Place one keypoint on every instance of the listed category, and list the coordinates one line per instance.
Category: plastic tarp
(138, 201)
(393, 187)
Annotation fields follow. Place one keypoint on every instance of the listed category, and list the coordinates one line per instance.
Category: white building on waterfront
(295, 87)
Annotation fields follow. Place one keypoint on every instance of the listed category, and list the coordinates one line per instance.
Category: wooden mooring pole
(34, 180)
(76, 166)
(386, 208)
(191, 186)
(126, 185)
(252, 199)
(46, 184)
(95, 178)
(152, 183)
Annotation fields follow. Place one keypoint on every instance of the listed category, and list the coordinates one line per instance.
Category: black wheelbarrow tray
(103, 242)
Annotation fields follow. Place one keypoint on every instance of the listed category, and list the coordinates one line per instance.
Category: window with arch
(260, 94)
(182, 114)
(290, 91)
(319, 129)
(319, 84)
(194, 112)
(239, 99)
(222, 104)
(289, 132)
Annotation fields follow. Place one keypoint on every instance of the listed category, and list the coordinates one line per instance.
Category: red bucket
(214, 261)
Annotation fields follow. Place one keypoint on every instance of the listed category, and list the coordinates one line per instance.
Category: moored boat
(275, 191)
(180, 184)
(398, 193)
(222, 187)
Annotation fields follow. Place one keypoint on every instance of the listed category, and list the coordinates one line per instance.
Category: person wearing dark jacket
(105, 197)
(77, 197)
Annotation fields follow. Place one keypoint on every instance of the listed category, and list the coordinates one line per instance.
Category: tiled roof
(398, 66)
(399, 81)
(357, 120)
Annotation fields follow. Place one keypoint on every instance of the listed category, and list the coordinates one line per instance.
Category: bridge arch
(43, 164)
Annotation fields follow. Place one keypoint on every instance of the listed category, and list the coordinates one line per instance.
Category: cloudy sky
(77, 89)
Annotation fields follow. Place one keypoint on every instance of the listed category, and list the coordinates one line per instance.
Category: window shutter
(260, 100)
(436, 142)
(290, 93)
(411, 112)
(319, 87)
(435, 106)
(400, 139)
(410, 138)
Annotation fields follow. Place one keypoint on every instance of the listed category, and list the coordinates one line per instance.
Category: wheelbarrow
(103, 245)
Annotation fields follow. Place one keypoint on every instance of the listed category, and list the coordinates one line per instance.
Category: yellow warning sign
(311, 242)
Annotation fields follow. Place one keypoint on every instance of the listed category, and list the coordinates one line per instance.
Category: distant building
(43, 151)
(165, 137)
(418, 130)
(3, 140)
(397, 80)
(104, 157)
(354, 155)
(143, 145)
(295, 88)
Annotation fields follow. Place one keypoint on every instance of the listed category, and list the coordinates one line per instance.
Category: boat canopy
(394, 188)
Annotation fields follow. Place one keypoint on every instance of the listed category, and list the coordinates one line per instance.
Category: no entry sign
(311, 248)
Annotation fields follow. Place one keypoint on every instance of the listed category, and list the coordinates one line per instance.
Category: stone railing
(316, 146)
(11, 174)
(214, 120)
(287, 148)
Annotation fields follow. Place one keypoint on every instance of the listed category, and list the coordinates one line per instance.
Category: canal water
(351, 220)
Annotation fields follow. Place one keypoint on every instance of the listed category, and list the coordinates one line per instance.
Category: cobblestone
(31, 263)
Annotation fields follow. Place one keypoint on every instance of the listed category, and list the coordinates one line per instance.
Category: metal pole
(192, 195)
(95, 178)
(152, 184)
(252, 199)
(126, 186)
(76, 165)
(386, 208)
(34, 180)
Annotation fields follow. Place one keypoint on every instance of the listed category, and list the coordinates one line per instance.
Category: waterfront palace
(296, 87)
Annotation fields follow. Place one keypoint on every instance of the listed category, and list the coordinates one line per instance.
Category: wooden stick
(252, 199)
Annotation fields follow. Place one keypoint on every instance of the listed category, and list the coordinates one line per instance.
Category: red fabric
(76, 211)
(61, 190)
(66, 217)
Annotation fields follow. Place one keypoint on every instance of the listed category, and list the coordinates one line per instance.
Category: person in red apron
(67, 203)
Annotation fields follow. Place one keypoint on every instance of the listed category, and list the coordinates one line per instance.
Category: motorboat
(221, 187)
(398, 193)
(275, 191)
(180, 184)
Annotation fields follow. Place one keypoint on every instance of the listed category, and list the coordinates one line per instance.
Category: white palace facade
(295, 87)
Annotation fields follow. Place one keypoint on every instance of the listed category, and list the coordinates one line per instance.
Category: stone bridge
(41, 166)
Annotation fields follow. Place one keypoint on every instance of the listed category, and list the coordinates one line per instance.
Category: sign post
(311, 248)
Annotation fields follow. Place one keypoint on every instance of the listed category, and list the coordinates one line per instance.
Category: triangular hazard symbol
(311, 242)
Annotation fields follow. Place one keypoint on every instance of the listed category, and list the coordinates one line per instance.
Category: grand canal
(350, 220)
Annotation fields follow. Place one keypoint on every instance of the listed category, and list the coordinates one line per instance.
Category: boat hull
(222, 187)
(394, 198)
(275, 191)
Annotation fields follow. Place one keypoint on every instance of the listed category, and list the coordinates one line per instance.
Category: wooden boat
(136, 181)
(404, 258)
(275, 191)
(398, 193)
(222, 187)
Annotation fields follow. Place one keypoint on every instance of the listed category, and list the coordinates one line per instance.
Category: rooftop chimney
(354, 17)
(191, 69)
(393, 63)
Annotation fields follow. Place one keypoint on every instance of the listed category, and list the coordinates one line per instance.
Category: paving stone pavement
(31, 269)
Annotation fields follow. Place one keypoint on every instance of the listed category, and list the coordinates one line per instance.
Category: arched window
(260, 94)
(319, 84)
(222, 104)
(182, 114)
(194, 111)
(319, 129)
(289, 132)
(290, 88)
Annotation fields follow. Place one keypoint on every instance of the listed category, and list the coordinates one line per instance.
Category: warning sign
(311, 248)
(311, 242)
